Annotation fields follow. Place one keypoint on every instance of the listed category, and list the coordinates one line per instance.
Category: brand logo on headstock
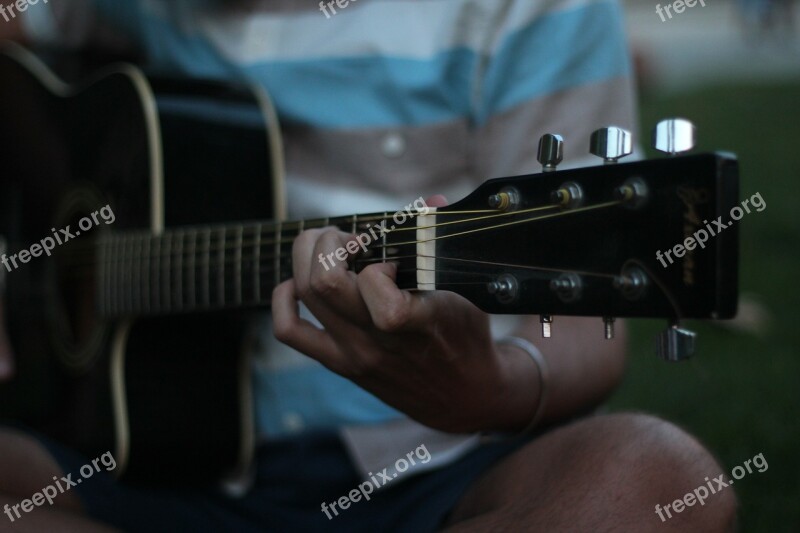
(691, 198)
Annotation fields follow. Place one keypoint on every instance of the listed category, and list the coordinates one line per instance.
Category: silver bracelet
(544, 375)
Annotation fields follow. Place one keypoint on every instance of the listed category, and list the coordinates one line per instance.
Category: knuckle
(302, 289)
(392, 318)
(306, 239)
(283, 331)
(358, 368)
(328, 283)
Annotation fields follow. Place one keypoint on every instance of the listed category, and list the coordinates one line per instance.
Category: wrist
(526, 374)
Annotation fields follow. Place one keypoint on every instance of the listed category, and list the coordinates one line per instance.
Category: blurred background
(733, 68)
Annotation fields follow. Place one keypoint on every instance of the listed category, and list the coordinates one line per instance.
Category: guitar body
(168, 395)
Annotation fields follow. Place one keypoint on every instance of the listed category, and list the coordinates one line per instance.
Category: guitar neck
(206, 268)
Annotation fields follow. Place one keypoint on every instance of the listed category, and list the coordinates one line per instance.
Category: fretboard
(206, 268)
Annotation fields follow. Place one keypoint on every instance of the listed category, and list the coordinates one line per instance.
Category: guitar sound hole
(77, 329)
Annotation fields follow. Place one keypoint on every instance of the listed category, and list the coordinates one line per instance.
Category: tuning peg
(674, 135)
(551, 151)
(611, 143)
(675, 344)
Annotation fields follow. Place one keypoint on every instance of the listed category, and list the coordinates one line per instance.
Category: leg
(26, 468)
(605, 473)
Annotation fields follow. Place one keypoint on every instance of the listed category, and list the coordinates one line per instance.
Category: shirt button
(293, 422)
(393, 145)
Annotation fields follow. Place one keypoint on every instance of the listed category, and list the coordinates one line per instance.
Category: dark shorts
(294, 477)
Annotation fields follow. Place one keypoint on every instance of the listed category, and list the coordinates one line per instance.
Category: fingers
(437, 200)
(300, 334)
(393, 310)
(328, 287)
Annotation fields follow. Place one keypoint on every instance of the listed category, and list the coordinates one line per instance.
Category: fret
(190, 269)
(167, 261)
(383, 237)
(147, 243)
(113, 278)
(102, 255)
(179, 236)
(221, 272)
(108, 266)
(278, 244)
(127, 283)
(136, 303)
(257, 264)
(120, 285)
(238, 264)
(207, 269)
(156, 272)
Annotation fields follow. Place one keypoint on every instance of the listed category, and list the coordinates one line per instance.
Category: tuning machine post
(568, 286)
(608, 327)
(508, 199)
(547, 322)
(505, 288)
(632, 283)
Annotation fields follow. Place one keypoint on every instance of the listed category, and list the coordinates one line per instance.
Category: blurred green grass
(740, 395)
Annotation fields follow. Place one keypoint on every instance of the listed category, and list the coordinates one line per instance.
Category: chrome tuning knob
(551, 151)
(675, 344)
(674, 136)
(611, 144)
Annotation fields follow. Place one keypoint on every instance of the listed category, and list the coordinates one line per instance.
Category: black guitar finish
(596, 244)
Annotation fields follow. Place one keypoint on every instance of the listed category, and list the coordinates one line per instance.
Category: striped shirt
(381, 102)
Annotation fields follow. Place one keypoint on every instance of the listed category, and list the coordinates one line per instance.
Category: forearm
(583, 370)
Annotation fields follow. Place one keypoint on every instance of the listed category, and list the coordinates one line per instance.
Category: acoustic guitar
(138, 329)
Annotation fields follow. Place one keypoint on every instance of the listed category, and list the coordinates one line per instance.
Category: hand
(6, 355)
(429, 354)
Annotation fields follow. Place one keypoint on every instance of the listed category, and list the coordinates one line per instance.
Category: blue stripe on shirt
(389, 91)
(398, 91)
(528, 64)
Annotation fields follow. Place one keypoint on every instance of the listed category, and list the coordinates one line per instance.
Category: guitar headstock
(599, 241)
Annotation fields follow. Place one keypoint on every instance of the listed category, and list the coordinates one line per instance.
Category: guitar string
(526, 220)
(172, 235)
(315, 223)
(120, 241)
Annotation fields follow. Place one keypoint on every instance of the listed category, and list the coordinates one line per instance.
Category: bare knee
(611, 469)
(26, 467)
(650, 461)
